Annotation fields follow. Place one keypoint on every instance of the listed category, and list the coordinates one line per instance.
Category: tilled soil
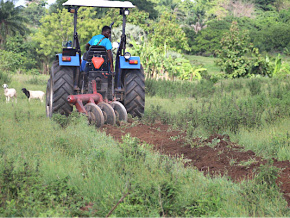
(222, 157)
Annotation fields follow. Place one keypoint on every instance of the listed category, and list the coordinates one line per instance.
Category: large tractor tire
(134, 97)
(59, 86)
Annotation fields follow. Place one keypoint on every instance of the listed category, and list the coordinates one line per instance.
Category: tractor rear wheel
(134, 98)
(59, 86)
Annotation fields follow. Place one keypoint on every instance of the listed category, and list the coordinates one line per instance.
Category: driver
(103, 40)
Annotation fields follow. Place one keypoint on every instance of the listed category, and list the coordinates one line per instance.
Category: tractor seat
(97, 51)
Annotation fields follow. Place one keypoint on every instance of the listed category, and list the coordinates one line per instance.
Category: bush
(255, 86)
(233, 55)
(23, 186)
(173, 89)
(224, 111)
(273, 38)
(10, 61)
(206, 41)
(36, 80)
(4, 77)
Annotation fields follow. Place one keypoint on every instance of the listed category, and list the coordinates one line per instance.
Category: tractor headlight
(127, 56)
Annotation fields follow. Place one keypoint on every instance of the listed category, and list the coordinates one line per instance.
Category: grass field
(207, 62)
(254, 112)
(60, 169)
(54, 167)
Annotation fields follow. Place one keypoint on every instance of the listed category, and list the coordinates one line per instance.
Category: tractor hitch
(80, 100)
(98, 111)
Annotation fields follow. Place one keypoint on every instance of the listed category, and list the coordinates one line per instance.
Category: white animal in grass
(33, 94)
(9, 93)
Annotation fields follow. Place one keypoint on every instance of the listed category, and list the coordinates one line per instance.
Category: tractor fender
(125, 64)
(75, 61)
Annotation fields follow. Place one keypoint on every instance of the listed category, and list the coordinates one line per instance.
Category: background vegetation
(159, 31)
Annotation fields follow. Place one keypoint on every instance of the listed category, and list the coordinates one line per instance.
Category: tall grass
(228, 106)
(4, 78)
(54, 167)
(273, 140)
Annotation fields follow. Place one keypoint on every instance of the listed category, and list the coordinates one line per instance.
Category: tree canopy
(182, 26)
(11, 21)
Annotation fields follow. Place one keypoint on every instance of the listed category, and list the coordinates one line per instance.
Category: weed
(232, 162)
(155, 113)
(280, 146)
(247, 163)
(197, 142)
(174, 138)
(5, 78)
(65, 121)
(175, 89)
(36, 80)
(267, 174)
(214, 142)
(130, 149)
(22, 187)
(255, 86)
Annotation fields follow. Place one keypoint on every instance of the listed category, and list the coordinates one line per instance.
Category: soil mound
(216, 155)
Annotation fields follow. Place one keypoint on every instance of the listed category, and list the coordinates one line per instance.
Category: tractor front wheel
(59, 86)
(134, 98)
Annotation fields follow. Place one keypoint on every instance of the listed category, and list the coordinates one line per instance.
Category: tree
(147, 6)
(58, 27)
(168, 31)
(136, 17)
(273, 39)
(266, 5)
(34, 12)
(10, 61)
(170, 6)
(215, 8)
(54, 29)
(206, 41)
(271, 32)
(57, 6)
(232, 54)
(11, 20)
(191, 15)
(25, 52)
(234, 60)
(133, 32)
(38, 2)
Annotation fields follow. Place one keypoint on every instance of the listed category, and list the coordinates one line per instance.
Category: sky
(22, 2)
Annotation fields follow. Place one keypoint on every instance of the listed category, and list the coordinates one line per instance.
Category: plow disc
(120, 111)
(108, 112)
(95, 115)
(97, 110)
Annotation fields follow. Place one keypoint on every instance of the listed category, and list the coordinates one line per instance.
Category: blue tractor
(102, 95)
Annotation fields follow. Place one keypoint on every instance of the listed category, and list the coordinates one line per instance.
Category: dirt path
(222, 157)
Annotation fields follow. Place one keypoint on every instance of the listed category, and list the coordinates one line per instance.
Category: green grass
(176, 104)
(207, 62)
(243, 108)
(58, 169)
(271, 141)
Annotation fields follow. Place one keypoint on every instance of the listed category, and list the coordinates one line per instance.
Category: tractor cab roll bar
(124, 6)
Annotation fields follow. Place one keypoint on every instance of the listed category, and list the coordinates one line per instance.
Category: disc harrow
(98, 111)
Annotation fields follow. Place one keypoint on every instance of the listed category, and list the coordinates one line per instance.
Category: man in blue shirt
(103, 40)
